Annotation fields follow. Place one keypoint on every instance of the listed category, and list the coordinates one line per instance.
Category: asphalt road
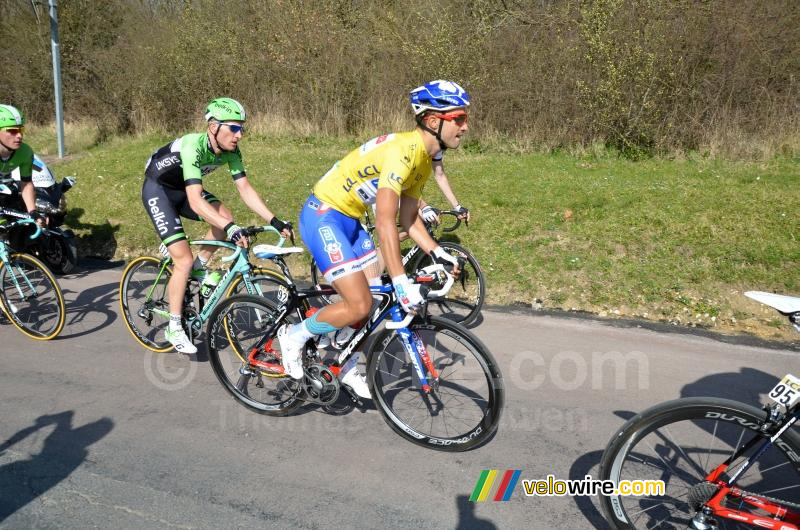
(96, 432)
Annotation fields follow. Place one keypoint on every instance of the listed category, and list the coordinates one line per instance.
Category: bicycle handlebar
(23, 219)
(455, 214)
(249, 231)
(431, 273)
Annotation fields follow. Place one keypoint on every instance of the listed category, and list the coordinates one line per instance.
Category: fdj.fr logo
(495, 485)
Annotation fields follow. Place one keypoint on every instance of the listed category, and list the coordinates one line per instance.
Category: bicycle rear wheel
(30, 297)
(143, 301)
(681, 442)
(465, 300)
(461, 411)
(245, 356)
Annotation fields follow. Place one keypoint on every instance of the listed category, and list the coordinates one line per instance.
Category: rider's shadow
(100, 241)
(64, 449)
(746, 386)
(89, 311)
(467, 520)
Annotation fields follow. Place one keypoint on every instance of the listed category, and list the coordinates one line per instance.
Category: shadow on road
(744, 386)
(467, 518)
(89, 311)
(587, 465)
(22, 481)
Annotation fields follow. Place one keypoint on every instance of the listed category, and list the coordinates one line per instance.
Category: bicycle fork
(15, 281)
(418, 353)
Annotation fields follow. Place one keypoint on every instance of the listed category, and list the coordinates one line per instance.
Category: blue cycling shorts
(339, 243)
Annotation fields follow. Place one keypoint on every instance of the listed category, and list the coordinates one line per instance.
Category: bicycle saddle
(785, 304)
(265, 251)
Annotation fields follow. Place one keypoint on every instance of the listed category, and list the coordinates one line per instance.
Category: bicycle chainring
(320, 384)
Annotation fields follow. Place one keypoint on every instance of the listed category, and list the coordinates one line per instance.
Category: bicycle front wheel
(465, 300)
(144, 303)
(683, 441)
(31, 297)
(461, 410)
(269, 283)
(245, 356)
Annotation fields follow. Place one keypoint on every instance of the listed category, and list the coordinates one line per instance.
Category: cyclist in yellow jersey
(389, 171)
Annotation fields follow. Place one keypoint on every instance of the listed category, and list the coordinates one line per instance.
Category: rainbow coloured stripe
(495, 485)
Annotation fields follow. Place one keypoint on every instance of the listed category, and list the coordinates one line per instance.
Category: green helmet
(10, 117)
(224, 109)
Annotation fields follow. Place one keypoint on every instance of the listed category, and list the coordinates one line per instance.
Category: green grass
(670, 239)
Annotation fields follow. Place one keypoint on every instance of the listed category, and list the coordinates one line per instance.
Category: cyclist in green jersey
(173, 188)
(16, 154)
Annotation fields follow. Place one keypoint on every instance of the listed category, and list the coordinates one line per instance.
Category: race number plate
(787, 392)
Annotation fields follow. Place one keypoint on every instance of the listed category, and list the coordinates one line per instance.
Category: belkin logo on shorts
(158, 216)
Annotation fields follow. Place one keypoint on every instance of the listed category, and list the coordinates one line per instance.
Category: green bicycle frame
(241, 265)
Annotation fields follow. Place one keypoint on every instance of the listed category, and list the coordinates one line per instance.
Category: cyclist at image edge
(16, 155)
(173, 188)
(383, 170)
(427, 212)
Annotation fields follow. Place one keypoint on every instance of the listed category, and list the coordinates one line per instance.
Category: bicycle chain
(701, 493)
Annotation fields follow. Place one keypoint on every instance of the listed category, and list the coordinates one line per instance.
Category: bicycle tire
(240, 324)
(649, 444)
(41, 317)
(272, 283)
(465, 300)
(451, 347)
(138, 278)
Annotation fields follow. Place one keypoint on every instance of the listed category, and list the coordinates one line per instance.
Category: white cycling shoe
(291, 350)
(180, 341)
(353, 378)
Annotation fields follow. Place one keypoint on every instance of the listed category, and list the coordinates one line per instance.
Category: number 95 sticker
(787, 392)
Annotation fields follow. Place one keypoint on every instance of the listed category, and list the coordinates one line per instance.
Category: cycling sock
(174, 322)
(199, 263)
(310, 327)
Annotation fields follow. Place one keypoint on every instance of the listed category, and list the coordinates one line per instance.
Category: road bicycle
(143, 290)
(465, 300)
(725, 464)
(431, 379)
(29, 294)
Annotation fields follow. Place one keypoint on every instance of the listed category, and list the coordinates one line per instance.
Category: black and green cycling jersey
(186, 160)
(22, 158)
(180, 163)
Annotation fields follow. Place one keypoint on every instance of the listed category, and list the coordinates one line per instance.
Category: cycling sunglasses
(234, 127)
(15, 130)
(459, 117)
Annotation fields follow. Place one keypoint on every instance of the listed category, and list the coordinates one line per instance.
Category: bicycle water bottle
(210, 281)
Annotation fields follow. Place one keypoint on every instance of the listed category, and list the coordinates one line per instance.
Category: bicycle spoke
(697, 466)
(780, 489)
(713, 438)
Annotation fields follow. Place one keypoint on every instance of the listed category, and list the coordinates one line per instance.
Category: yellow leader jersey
(398, 161)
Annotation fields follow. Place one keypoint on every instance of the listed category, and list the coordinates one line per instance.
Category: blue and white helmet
(439, 95)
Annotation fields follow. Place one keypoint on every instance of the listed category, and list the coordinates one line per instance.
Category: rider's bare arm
(386, 227)
(194, 193)
(253, 201)
(444, 184)
(410, 220)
